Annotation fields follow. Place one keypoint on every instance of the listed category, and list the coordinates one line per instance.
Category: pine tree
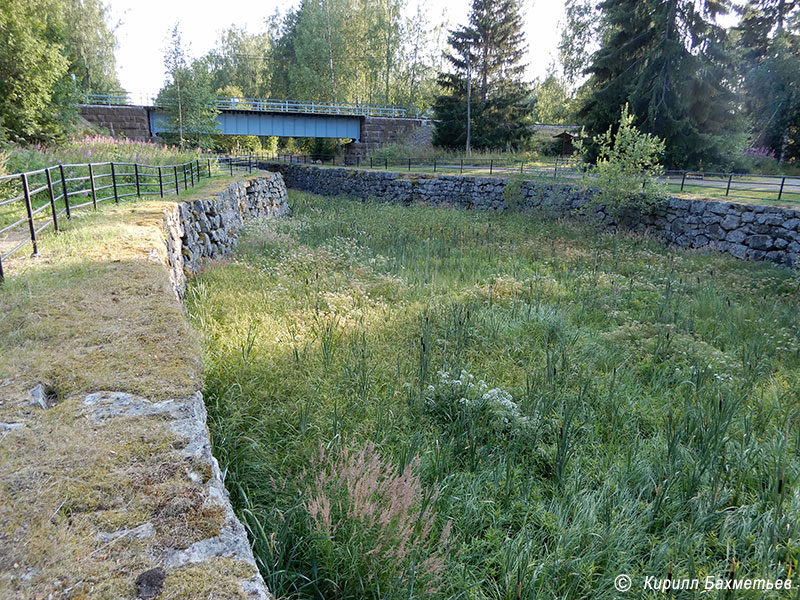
(493, 43)
(667, 60)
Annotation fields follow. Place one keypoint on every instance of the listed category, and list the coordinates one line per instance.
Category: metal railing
(463, 166)
(746, 186)
(765, 188)
(119, 98)
(34, 201)
(266, 105)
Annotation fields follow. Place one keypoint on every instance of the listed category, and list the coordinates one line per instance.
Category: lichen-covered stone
(186, 418)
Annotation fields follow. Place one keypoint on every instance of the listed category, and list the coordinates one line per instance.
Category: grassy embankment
(95, 312)
(413, 399)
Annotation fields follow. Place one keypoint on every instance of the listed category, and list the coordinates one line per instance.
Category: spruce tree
(769, 43)
(494, 44)
(668, 61)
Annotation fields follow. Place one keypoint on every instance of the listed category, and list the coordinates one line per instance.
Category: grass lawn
(423, 402)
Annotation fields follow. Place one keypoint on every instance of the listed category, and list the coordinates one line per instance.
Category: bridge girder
(239, 122)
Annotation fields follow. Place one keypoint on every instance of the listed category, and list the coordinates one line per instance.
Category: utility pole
(469, 104)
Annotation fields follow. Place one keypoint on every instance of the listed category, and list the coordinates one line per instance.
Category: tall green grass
(94, 149)
(560, 406)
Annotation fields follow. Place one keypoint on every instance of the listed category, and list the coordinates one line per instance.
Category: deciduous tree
(188, 98)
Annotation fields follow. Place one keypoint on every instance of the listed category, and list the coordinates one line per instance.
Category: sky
(143, 27)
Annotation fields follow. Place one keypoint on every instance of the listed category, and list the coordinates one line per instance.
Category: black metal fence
(491, 166)
(34, 201)
(743, 186)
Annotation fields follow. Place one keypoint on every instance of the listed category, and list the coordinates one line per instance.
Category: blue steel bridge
(368, 125)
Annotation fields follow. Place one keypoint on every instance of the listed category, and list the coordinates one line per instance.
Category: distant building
(567, 147)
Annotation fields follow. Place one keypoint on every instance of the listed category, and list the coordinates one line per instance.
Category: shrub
(628, 167)
(762, 161)
(376, 526)
(237, 144)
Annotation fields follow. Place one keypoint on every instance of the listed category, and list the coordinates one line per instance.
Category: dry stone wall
(198, 231)
(202, 230)
(742, 230)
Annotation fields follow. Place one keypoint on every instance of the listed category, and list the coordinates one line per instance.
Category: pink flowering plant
(377, 534)
(94, 149)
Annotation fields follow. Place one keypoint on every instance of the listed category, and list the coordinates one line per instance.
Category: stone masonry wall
(133, 122)
(201, 230)
(198, 231)
(379, 131)
(742, 230)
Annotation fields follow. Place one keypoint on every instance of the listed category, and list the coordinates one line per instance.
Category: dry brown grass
(95, 312)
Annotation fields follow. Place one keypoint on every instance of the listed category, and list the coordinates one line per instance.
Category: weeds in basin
(374, 525)
(579, 405)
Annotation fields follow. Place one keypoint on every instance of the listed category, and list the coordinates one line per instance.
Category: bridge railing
(314, 107)
(121, 98)
(37, 200)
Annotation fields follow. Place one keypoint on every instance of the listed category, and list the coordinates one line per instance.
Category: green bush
(628, 167)
(237, 144)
